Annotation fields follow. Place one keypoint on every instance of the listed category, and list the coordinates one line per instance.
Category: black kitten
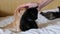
(51, 15)
(28, 19)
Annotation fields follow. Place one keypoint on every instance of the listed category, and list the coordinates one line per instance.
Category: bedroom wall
(7, 7)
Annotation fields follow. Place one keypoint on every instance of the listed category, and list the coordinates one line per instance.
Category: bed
(46, 27)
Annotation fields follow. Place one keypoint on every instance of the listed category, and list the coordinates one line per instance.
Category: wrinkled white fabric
(47, 30)
(6, 20)
(1, 31)
(41, 19)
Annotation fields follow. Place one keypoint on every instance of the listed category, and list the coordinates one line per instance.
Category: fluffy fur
(28, 19)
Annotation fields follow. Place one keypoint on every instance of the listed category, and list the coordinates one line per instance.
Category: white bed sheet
(6, 20)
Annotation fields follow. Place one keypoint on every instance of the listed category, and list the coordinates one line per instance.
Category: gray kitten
(51, 15)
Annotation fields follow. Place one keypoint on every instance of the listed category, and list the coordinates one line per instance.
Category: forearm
(42, 3)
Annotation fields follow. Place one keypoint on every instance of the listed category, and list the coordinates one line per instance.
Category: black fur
(51, 15)
(28, 19)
